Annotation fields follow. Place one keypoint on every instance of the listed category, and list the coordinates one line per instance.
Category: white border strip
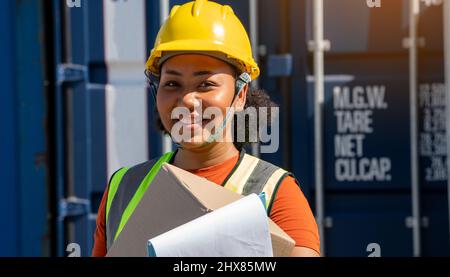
(126, 92)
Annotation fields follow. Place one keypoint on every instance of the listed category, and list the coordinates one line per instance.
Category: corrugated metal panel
(31, 101)
(356, 220)
(23, 161)
(8, 163)
(105, 112)
(80, 105)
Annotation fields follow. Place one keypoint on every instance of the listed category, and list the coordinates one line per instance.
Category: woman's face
(193, 96)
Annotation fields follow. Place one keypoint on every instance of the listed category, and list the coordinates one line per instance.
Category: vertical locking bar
(319, 48)
(164, 7)
(446, 10)
(253, 8)
(414, 7)
(59, 28)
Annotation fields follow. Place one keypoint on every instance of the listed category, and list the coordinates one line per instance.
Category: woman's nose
(190, 101)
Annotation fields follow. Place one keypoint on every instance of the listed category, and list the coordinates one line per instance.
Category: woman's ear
(241, 99)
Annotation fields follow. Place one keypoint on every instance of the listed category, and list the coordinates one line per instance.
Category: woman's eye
(206, 85)
(171, 84)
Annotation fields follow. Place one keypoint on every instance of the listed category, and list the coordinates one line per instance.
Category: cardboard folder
(176, 197)
(239, 229)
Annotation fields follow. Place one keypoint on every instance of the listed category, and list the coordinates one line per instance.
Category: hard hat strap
(242, 80)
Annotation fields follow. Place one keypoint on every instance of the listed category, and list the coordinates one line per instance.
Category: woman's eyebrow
(195, 74)
(173, 72)
(201, 73)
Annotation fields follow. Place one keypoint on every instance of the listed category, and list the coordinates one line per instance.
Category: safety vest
(128, 185)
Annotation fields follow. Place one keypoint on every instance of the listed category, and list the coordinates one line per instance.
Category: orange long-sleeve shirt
(290, 210)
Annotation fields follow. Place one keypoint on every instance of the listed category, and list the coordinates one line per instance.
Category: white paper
(239, 229)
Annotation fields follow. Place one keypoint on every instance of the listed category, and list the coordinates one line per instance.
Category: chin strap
(243, 80)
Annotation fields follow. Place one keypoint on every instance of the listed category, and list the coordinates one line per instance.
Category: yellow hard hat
(204, 27)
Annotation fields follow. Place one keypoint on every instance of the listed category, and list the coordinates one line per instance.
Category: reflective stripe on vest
(254, 175)
(131, 186)
(250, 175)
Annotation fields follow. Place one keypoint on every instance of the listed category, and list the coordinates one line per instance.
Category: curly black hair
(256, 98)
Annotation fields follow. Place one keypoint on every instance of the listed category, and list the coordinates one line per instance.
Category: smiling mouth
(189, 121)
(192, 122)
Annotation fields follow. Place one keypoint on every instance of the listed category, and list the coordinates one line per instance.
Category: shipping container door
(432, 132)
(384, 78)
(80, 77)
(102, 107)
(367, 176)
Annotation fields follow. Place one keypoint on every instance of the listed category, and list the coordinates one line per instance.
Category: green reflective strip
(141, 191)
(113, 186)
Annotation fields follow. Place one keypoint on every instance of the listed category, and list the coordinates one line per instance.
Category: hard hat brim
(152, 65)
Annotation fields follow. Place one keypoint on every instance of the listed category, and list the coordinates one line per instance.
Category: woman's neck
(206, 156)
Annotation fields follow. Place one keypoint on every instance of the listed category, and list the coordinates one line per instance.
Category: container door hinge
(73, 206)
(280, 65)
(324, 45)
(411, 222)
(68, 72)
(408, 42)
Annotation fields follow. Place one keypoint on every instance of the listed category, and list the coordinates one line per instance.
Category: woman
(202, 61)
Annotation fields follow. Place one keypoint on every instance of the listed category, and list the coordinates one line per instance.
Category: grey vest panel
(125, 192)
(259, 177)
